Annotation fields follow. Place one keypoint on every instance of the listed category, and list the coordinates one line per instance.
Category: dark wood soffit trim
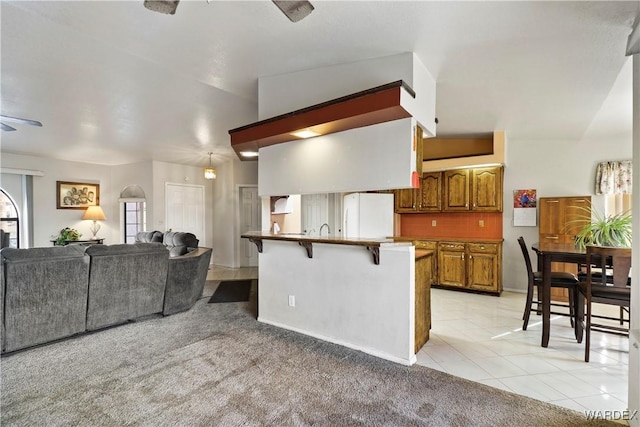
(370, 107)
(374, 90)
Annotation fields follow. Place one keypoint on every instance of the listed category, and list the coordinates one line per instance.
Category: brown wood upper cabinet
(424, 199)
(478, 189)
(457, 190)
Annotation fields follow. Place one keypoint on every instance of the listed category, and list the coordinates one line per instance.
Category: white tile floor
(480, 338)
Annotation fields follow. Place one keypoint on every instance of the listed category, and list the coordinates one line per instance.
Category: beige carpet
(215, 365)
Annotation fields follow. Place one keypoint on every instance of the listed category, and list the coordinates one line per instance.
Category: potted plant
(67, 234)
(605, 230)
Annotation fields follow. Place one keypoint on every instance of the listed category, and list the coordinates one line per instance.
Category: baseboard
(373, 352)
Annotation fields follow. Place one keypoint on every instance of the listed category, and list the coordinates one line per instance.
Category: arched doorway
(9, 221)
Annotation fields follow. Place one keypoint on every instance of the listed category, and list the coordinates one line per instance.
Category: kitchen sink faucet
(328, 229)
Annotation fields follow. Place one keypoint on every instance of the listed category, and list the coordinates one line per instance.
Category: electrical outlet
(433, 222)
(292, 301)
(481, 223)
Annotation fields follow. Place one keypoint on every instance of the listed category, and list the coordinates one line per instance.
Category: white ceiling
(114, 83)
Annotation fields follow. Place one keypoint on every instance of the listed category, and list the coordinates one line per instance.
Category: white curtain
(614, 177)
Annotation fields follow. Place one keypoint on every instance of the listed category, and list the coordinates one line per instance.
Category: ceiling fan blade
(6, 127)
(20, 121)
(295, 10)
(163, 6)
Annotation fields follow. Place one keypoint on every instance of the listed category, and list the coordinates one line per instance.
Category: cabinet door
(456, 190)
(430, 192)
(431, 245)
(551, 216)
(422, 302)
(483, 264)
(451, 264)
(405, 200)
(486, 189)
(577, 214)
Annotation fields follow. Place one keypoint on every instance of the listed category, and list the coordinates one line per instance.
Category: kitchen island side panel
(341, 296)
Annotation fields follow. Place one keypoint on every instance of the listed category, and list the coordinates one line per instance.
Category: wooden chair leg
(587, 332)
(527, 308)
(571, 312)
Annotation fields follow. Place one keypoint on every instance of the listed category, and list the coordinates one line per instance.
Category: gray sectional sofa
(56, 292)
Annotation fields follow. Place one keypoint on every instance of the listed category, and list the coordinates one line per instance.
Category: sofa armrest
(186, 277)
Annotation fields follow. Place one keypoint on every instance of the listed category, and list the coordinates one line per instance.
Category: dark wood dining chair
(615, 290)
(559, 279)
(596, 276)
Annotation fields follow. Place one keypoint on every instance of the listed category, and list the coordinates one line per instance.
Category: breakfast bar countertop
(337, 240)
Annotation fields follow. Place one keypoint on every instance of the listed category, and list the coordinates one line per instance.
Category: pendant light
(210, 172)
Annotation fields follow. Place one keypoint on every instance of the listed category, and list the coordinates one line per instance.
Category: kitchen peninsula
(359, 293)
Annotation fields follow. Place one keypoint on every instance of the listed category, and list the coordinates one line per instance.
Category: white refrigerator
(368, 215)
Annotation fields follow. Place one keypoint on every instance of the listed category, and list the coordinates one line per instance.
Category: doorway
(250, 220)
(185, 209)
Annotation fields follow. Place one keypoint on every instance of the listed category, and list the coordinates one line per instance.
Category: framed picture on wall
(76, 195)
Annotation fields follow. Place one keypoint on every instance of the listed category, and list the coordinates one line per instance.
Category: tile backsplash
(472, 225)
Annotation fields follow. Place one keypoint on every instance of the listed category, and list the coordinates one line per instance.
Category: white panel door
(250, 211)
(185, 209)
(315, 212)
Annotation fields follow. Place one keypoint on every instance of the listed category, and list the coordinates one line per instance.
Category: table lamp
(95, 214)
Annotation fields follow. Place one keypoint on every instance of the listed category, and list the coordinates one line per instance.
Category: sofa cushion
(149, 237)
(125, 282)
(186, 277)
(179, 242)
(46, 294)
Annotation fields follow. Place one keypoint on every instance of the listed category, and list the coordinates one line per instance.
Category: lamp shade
(94, 213)
(209, 173)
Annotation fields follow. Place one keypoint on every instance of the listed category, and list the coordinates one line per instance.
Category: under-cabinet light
(305, 133)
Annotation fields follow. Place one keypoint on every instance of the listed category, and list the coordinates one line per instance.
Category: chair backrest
(615, 258)
(527, 259)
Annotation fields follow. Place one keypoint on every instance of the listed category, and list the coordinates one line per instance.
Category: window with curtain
(613, 179)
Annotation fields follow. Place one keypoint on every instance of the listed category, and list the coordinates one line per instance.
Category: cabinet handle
(552, 237)
(462, 256)
(552, 201)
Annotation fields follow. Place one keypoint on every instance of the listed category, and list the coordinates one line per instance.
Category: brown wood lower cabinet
(423, 297)
(463, 264)
(452, 264)
(470, 265)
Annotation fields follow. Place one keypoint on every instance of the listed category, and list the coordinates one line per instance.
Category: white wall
(151, 176)
(48, 220)
(225, 209)
(284, 93)
(369, 158)
(341, 296)
(554, 168)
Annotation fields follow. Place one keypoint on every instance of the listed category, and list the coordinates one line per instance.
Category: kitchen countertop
(421, 253)
(447, 239)
(303, 238)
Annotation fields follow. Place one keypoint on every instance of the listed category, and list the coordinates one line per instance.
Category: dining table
(549, 252)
